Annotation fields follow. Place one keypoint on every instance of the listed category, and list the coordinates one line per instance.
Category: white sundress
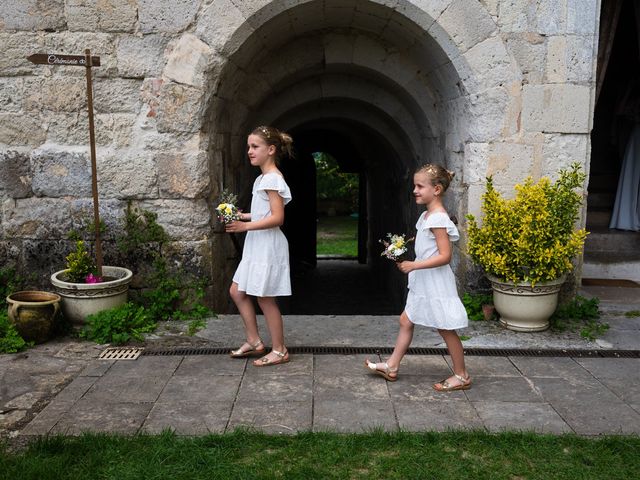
(264, 268)
(433, 297)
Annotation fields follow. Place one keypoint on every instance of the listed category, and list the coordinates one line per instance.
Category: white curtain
(626, 210)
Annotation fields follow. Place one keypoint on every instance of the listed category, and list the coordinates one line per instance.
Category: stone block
(189, 61)
(467, 22)
(570, 59)
(529, 51)
(15, 174)
(349, 416)
(15, 48)
(272, 416)
(509, 161)
(11, 94)
(423, 12)
(556, 108)
(57, 94)
(338, 49)
(60, 173)
(486, 65)
(117, 95)
(166, 16)
(582, 17)
(188, 417)
(182, 174)
(349, 387)
(103, 16)
(290, 388)
(488, 114)
(33, 15)
(546, 17)
(182, 219)
(115, 129)
(140, 57)
(100, 416)
(561, 150)
(23, 218)
(179, 108)
(17, 129)
(223, 26)
(491, 6)
(476, 158)
(130, 174)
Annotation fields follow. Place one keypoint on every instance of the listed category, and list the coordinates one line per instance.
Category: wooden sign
(55, 59)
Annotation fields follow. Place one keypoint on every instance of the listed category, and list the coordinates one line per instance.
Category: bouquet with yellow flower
(226, 210)
(395, 246)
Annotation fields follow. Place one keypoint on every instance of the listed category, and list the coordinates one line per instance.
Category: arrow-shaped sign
(55, 59)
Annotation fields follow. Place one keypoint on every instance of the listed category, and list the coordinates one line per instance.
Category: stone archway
(410, 84)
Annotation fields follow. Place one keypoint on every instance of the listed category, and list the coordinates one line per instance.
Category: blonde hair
(437, 174)
(281, 140)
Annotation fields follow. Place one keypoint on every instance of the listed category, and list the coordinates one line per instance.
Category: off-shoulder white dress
(433, 299)
(264, 268)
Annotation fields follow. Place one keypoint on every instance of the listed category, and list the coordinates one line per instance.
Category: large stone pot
(33, 313)
(524, 308)
(80, 300)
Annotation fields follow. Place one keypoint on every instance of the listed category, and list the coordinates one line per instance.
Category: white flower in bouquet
(226, 210)
(395, 246)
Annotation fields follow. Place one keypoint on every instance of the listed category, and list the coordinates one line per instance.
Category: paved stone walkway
(214, 393)
(61, 387)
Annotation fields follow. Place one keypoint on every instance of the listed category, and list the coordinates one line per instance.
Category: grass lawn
(376, 455)
(338, 236)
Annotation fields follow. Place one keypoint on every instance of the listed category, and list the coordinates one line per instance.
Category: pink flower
(92, 279)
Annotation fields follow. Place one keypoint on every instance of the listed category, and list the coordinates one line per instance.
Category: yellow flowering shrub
(531, 238)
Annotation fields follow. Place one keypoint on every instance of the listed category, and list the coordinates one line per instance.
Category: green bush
(10, 339)
(473, 304)
(579, 313)
(118, 325)
(79, 264)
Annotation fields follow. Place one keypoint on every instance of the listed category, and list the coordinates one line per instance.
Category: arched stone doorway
(382, 80)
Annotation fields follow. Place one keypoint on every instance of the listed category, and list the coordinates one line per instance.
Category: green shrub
(579, 313)
(531, 238)
(79, 264)
(10, 339)
(473, 304)
(118, 325)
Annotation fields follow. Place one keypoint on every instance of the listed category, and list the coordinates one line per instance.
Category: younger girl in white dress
(263, 271)
(433, 299)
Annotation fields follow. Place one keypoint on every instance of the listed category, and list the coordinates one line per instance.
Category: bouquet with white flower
(395, 246)
(226, 209)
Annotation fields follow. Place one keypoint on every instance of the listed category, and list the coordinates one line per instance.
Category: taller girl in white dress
(433, 298)
(264, 269)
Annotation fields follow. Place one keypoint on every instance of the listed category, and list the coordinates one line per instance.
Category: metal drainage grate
(338, 350)
(121, 354)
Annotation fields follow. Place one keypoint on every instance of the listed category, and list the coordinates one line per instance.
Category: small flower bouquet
(395, 246)
(226, 209)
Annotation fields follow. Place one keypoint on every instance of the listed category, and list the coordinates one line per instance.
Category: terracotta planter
(524, 308)
(80, 300)
(33, 314)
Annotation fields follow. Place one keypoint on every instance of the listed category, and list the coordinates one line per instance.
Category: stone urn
(33, 314)
(524, 308)
(80, 300)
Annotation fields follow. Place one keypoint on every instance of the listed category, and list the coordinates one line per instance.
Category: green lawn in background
(337, 236)
(375, 455)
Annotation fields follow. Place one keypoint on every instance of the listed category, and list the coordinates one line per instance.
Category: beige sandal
(283, 357)
(388, 373)
(252, 351)
(447, 387)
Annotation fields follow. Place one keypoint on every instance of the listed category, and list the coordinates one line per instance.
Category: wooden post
(94, 175)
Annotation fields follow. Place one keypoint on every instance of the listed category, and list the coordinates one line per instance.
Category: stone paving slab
(194, 395)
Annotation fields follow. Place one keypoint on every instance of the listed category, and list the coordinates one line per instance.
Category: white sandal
(252, 351)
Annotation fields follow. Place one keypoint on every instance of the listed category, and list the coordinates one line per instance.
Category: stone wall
(487, 87)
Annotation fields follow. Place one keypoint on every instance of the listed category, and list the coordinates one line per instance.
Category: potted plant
(84, 290)
(526, 245)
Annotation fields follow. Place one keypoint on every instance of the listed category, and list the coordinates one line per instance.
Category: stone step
(603, 183)
(598, 218)
(614, 241)
(608, 268)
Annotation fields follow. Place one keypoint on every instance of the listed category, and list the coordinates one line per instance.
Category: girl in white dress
(263, 271)
(433, 299)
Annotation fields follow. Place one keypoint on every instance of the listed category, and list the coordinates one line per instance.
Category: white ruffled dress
(433, 299)
(264, 268)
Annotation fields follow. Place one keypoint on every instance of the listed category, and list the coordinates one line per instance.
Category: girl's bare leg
(273, 317)
(247, 312)
(456, 351)
(403, 341)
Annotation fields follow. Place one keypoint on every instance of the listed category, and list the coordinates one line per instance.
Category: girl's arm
(276, 203)
(443, 257)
